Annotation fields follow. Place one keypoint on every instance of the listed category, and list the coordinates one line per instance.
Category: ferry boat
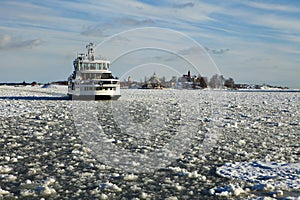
(92, 79)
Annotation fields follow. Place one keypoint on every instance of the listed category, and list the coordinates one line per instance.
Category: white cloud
(271, 7)
(184, 5)
(283, 24)
(7, 42)
(94, 30)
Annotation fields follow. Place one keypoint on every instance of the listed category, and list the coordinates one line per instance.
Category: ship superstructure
(92, 78)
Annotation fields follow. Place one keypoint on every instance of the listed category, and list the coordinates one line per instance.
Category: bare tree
(216, 81)
(229, 83)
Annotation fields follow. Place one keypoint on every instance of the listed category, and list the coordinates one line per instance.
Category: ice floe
(265, 176)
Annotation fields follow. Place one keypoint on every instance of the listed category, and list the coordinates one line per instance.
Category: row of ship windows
(92, 66)
(96, 76)
(98, 88)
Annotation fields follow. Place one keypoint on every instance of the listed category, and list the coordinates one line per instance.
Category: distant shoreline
(273, 89)
(33, 83)
(265, 90)
(236, 86)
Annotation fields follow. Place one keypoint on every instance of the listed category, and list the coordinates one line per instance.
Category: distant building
(153, 83)
(192, 82)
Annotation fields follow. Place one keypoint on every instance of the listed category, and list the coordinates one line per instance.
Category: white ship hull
(94, 97)
(105, 93)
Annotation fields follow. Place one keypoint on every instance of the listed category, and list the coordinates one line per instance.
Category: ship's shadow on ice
(36, 98)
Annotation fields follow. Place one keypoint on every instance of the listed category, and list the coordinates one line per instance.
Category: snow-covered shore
(255, 154)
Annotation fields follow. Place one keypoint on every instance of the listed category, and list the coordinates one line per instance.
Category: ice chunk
(5, 169)
(3, 192)
(109, 186)
(130, 177)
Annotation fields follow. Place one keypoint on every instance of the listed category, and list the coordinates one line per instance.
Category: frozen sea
(149, 144)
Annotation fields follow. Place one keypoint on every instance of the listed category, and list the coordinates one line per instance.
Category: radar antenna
(90, 48)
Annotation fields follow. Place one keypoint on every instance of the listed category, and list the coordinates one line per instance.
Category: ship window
(104, 66)
(98, 66)
(98, 76)
(107, 65)
(86, 66)
(91, 76)
(76, 66)
(106, 76)
(92, 66)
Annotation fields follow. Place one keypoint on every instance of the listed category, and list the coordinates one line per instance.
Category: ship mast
(90, 48)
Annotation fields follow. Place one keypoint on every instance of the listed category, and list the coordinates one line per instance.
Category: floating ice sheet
(285, 176)
(16, 101)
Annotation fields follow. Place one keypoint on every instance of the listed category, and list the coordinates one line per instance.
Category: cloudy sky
(250, 41)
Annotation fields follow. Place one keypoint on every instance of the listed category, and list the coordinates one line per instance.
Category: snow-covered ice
(253, 153)
(12, 104)
(283, 176)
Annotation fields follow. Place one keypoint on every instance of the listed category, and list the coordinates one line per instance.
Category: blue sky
(250, 41)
